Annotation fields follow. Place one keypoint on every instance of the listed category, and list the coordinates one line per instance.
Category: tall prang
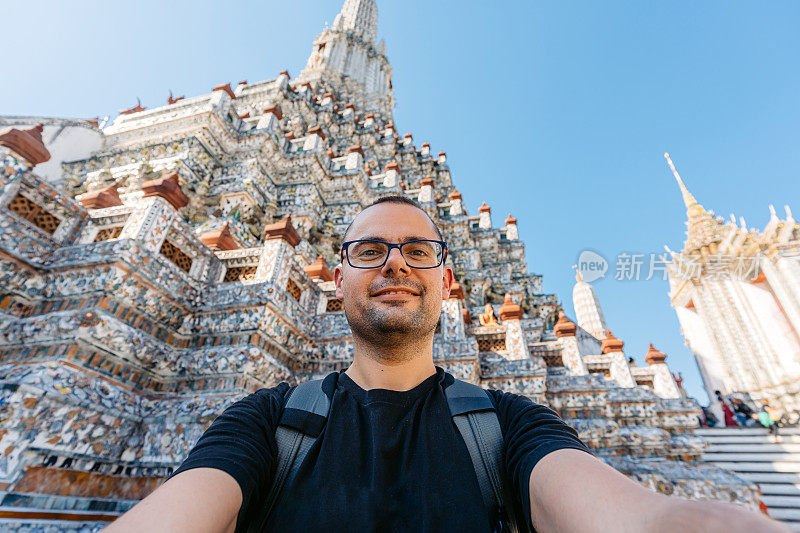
(587, 308)
(182, 259)
(347, 56)
(736, 292)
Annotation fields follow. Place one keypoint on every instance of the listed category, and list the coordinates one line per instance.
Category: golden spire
(702, 229)
(693, 208)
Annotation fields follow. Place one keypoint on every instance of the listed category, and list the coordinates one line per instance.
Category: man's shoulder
(505, 400)
(511, 404)
(279, 394)
(497, 397)
(506, 403)
(267, 397)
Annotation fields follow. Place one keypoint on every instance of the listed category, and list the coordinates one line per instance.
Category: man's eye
(418, 250)
(367, 253)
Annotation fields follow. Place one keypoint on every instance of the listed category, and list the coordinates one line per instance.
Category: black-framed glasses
(373, 253)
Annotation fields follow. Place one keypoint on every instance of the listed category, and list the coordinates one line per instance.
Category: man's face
(395, 302)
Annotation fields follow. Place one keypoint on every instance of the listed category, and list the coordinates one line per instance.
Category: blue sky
(557, 112)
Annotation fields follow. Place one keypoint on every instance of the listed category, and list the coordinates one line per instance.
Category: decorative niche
(108, 234)
(240, 273)
(176, 256)
(492, 343)
(293, 289)
(334, 305)
(33, 213)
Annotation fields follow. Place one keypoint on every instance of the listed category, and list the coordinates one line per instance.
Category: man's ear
(447, 282)
(337, 280)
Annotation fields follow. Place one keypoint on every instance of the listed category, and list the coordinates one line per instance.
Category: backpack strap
(302, 421)
(474, 415)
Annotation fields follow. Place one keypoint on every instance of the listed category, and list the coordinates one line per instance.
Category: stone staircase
(755, 456)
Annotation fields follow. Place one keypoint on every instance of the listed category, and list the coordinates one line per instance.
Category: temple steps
(756, 457)
(772, 501)
(751, 439)
(748, 447)
(14, 524)
(790, 517)
(739, 466)
(20, 511)
(772, 464)
(741, 432)
(784, 489)
(766, 477)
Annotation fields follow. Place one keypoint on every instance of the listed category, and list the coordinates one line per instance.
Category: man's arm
(571, 490)
(203, 500)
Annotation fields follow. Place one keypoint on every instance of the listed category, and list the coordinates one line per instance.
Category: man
(743, 413)
(389, 457)
(726, 410)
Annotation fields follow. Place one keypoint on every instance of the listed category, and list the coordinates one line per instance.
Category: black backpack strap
(302, 421)
(475, 417)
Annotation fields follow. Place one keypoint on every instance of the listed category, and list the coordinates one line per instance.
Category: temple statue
(487, 318)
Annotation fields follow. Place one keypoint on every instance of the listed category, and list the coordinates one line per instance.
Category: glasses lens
(366, 253)
(422, 253)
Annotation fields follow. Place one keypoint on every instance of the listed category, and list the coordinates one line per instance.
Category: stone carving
(487, 318)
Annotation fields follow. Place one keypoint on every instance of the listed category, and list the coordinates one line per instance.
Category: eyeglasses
(372, 253)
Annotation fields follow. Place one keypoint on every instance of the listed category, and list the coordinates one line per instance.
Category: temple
(736, 292)
(181, 258)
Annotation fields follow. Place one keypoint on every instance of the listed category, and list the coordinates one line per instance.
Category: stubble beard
(381, 327)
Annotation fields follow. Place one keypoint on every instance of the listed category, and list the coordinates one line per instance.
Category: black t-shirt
(385, 461)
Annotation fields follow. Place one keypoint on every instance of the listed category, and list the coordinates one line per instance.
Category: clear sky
(557, 112)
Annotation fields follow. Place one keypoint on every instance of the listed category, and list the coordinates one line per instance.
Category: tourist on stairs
(743, 413)
(768, 418)
(730, 421)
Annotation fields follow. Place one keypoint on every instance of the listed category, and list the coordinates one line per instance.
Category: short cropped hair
(397, 199)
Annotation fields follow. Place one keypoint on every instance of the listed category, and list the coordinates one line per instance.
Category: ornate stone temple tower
(737, 295)
(186, 261)
(347, 55)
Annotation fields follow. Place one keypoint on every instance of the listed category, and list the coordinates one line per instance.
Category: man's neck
(374, 368)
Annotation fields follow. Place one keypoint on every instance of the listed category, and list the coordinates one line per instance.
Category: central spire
(347, 58)
(694, 210)
(702, 229)
(360, 17)
(688, 199)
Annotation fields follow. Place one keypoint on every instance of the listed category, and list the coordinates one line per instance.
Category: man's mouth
(395, 290)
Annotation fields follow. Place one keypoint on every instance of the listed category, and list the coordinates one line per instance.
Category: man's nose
(395, 263)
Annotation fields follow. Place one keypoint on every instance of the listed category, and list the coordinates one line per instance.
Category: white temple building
(736, 292)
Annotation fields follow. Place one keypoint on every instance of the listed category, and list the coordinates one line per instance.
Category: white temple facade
(736, 292)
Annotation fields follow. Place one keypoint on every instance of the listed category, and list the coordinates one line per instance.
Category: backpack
(306, 412)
